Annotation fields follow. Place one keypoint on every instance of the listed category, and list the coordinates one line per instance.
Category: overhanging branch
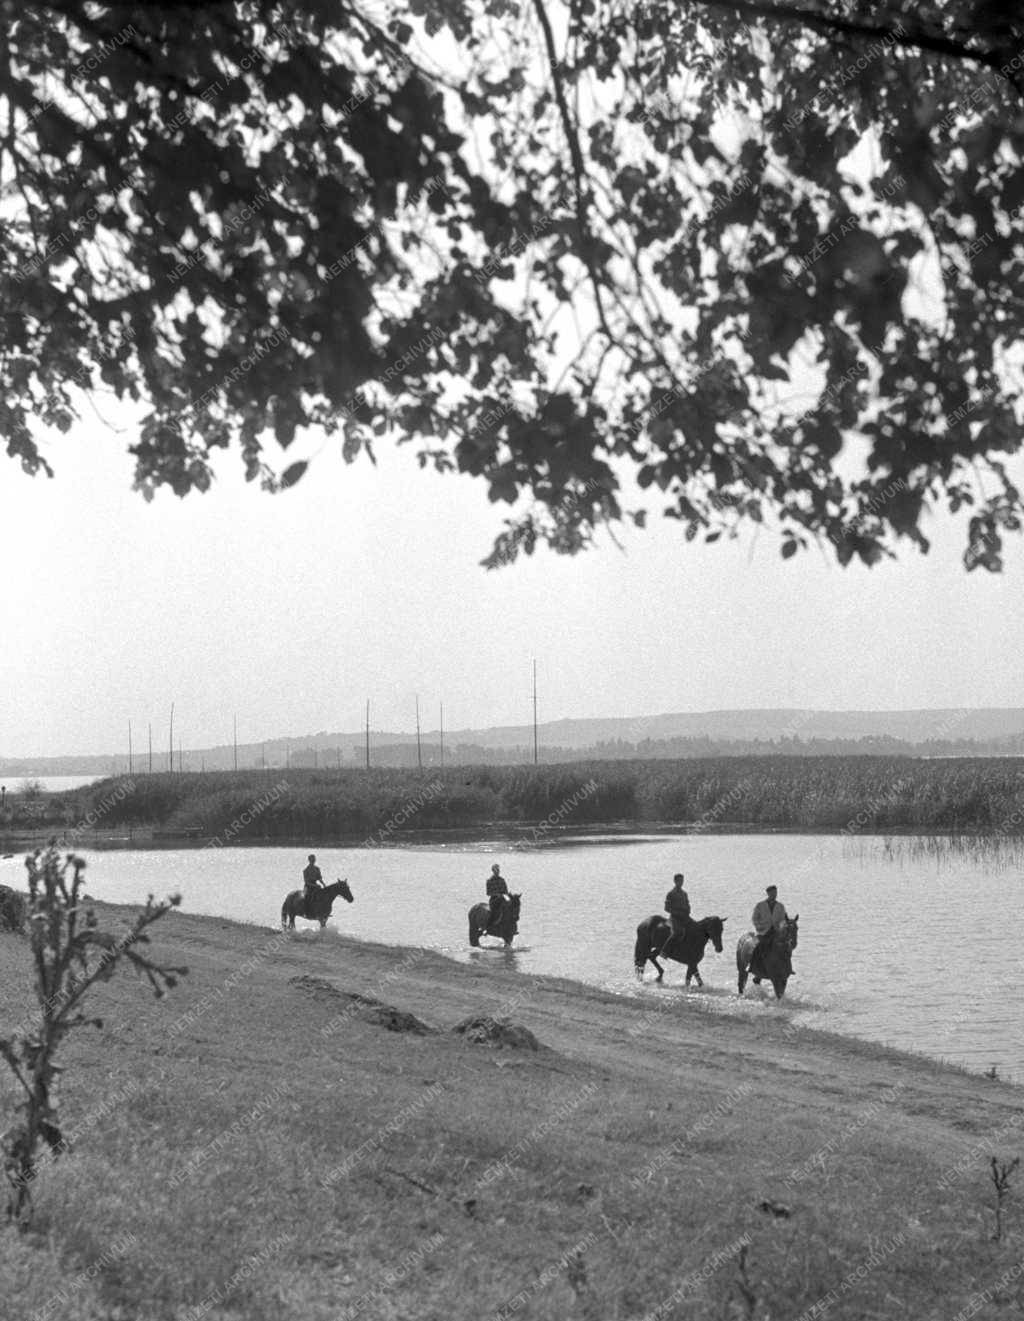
(578, 167)
(894, 32)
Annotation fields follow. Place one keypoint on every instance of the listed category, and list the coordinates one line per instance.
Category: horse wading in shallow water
(504, 928)
(320, 905)
(777, 963)
(688, 948)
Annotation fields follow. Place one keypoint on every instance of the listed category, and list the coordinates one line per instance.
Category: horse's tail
(284, 915)
(474, 931)
(743, 953)
(642, 947)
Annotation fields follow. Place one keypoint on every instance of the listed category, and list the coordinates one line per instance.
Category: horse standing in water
(320, 904)
(504, 928)
(688, 948)
(776, 962)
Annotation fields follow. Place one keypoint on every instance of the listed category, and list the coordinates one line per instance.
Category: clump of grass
(1002, 1172)
(69, 955)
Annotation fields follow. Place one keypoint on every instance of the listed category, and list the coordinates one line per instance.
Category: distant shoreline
(521, 806)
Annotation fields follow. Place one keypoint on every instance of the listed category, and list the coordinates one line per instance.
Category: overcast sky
(292, 610)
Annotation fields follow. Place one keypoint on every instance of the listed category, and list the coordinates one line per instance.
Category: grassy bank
(271, 1143)
(836, 793)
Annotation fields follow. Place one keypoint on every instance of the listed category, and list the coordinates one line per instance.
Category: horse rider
(768, 917)
(677, 905)
(497, 893)
(312, 880)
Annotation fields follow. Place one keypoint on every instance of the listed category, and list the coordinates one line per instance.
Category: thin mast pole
(535, 713)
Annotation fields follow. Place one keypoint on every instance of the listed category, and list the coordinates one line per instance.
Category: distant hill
(986, 731)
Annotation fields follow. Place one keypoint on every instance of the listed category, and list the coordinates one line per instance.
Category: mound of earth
(364, 1007)
(482, 1030)
(395, 1020)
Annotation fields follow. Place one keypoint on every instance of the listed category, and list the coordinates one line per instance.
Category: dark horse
(688, 948)
(504, 928)
(775, 964)
(320, 905)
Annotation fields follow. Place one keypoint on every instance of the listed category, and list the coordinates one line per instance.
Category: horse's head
(792, 931)
(344, 891)
(514, 900)
(713, 927)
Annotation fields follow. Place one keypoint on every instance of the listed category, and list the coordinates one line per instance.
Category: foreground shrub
(69, 954)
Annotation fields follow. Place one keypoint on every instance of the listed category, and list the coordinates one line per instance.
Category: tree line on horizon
(680, 747)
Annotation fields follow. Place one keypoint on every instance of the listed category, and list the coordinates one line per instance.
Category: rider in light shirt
(768, 917)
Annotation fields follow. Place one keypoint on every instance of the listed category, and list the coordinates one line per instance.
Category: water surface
(906, 945)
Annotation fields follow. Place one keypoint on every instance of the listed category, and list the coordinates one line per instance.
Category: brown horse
(505, 927)
(319, 908)
(775, 963)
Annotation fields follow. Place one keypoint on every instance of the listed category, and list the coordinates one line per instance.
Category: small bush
(70, 954)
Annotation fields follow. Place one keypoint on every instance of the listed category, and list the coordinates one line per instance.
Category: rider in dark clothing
(497, 893)
(677, 905)
(312, 880)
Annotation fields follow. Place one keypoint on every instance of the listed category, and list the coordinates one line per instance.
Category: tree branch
(578, 167)
(897, 34)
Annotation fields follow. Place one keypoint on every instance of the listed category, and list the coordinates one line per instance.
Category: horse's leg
(654, 959)
(693, 972)
(742, 969)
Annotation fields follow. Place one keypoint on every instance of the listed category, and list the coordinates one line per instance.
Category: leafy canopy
(753, 259)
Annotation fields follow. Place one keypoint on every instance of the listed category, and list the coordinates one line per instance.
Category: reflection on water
(902, 940)
(496, 955)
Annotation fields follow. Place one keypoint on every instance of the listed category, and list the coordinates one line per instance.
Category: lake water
(51, 784)
(898, 946)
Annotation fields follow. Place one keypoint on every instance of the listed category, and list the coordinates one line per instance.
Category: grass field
(298, 1134)
(379, 806)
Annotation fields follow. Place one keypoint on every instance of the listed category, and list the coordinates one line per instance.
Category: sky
(362, 583)
(292, 610)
